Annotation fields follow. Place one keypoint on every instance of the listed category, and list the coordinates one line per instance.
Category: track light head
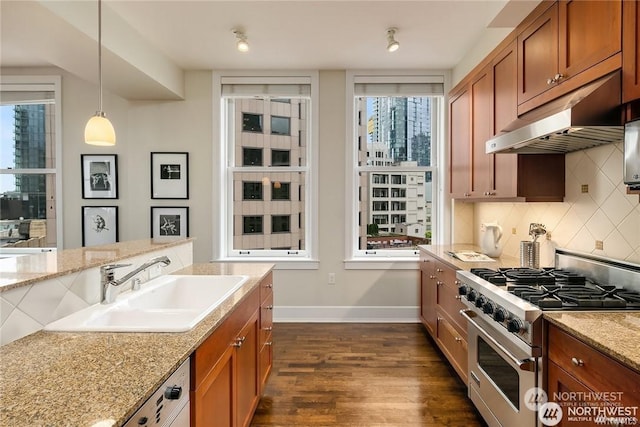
(392, 44)
(241, 41)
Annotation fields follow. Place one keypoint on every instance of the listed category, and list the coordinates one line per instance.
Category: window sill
(280, 263)
(382, 263)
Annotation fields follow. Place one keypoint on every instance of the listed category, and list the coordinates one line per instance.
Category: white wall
(142, 127)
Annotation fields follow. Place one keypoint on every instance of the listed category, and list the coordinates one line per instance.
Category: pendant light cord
(100, 56)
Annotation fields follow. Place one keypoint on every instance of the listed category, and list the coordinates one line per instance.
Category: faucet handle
(111, 267)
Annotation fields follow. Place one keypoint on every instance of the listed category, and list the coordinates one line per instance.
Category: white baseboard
(346, 314)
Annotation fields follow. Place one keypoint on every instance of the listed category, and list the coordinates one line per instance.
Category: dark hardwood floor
(344, 374)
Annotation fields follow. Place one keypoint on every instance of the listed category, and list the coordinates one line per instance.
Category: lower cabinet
(230, 367)
(584, 381)
(440, 307)
(266, 329)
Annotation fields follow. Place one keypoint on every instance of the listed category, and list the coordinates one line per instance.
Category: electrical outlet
(599, 244)
(332, 278)
(584, 188)
(483, 227)
(513, 230)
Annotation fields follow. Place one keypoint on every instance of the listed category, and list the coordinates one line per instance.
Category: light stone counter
(617, 334)
(24, 270)
(100, 379)
(442, 253)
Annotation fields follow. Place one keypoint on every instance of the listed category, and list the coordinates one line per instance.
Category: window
(280, 157)
(270, 174)
(392, 162)
(280, 191)
(252, 191)
(29, 177)
(251, 122)
(280, 125)
(280, 223)
(251, 156)
(252, 224)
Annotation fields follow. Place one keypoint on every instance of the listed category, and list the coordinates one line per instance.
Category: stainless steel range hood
(585, 118)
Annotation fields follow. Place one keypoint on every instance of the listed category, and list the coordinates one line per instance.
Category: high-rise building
(268, 211)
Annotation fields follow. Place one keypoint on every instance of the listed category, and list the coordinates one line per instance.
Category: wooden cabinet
(225, 386)
(630, 51)
(564, 48)
(266, 329)
(440, 307)
(485, 107)
(574, 366)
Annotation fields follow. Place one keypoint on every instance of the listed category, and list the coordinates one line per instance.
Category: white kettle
(490, 242)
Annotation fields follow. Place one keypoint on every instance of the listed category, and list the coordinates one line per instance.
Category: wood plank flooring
(361, 375)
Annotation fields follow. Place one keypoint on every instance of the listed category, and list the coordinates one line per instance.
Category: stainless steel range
(504, 313)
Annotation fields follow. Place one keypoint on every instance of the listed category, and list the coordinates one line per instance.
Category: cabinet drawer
(453, 345)
(266, 361)
(266, 287)
(449, 301)
(591, 367)
(266, 319)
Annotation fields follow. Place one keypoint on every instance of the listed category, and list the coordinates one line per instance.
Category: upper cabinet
(564, 48)
(630, 51)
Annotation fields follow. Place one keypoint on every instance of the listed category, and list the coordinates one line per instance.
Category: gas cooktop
(558, 289)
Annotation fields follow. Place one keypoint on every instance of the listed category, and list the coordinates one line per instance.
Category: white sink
(171, 303)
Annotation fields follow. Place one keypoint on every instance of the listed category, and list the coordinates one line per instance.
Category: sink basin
(171, 303)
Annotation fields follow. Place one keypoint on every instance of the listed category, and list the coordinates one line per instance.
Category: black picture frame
(169, 222)
(99, 225)
(99, 176)
(169, 175)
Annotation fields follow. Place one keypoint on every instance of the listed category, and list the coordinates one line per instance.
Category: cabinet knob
(458, 297)
(577, 362)
(269, 286)
(239, 341)
(439, 319)
(439, 270)
(439, 283)
(269, 328)
(269, 307)
(555, 79)
(269, 343)
(432, 277)
(458, 339)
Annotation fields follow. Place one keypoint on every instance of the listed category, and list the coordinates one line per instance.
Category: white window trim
(45, 83)
(386, 260)
(220, 207)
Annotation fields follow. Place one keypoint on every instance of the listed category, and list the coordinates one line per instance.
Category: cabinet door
(212, 402)
(428, 294)
(559, 381)
(538, 55)
(582, 26)
(481, 112)
(247, 386)
(453, 345)
(631, 51)
(460, 140)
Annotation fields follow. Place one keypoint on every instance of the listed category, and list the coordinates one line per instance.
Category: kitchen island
(100, 379)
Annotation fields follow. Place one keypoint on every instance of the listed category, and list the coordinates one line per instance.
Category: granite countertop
(616, 334)
(23, 270)
(442, 253)
(100, 379)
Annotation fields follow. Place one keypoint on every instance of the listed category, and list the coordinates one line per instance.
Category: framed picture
(99, 225)
(169, 222)
(169, 175)
(99, 176)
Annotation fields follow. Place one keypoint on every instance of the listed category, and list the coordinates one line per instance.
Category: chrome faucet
(110, 286)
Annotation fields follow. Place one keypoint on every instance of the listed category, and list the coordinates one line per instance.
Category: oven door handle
(528, 364)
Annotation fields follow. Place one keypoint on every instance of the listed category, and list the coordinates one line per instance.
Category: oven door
(499, 375)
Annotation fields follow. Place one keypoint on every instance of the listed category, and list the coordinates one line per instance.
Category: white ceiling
(149, 43)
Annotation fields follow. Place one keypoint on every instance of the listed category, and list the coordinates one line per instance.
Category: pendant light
(99, 130)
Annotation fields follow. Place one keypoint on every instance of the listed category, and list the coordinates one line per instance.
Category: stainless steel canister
(530, 254)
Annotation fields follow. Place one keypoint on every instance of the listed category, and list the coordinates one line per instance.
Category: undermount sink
(171, 303)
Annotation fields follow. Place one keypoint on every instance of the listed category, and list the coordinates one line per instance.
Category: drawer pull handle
(269, 343)
(577, 362)
(239, 342)
(269, 328)
(458, 339)
(440, 319)
(439, 270)
(458, 297)
(269, 286)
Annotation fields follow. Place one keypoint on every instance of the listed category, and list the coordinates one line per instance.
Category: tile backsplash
(597, 210)
(28, 309)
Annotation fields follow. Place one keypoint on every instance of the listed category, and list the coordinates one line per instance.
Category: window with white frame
(267, 200)
(29, 146)
(393, 164)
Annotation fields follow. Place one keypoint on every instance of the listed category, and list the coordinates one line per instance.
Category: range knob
(480, 301)
(173, 392)
(488, 307)
(472, 295)
(463, 290)
(515, 325)
(500, 315)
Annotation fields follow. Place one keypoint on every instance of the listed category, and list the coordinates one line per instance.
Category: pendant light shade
(99, 130)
